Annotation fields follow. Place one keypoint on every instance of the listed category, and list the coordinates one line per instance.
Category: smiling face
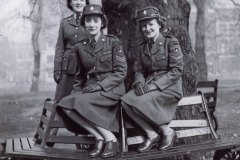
(93, 24)
(78, 5)
(150, 28)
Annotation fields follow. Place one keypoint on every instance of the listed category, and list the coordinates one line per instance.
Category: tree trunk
(200, 39)
(121, 18)
(36, 48)
(122, 23)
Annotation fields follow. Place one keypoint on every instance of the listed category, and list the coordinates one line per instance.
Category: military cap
(94, 9)
(150, 12)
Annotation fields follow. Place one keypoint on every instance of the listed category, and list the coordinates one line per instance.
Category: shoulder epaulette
(82, 41)
(168, 36)
(68, 17)
(112, 36)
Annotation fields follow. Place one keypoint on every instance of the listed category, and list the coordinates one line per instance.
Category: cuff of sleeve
(160, 87)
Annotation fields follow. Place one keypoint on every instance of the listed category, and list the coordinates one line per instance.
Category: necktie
(78, 20)
(93, 43)
(151, 42)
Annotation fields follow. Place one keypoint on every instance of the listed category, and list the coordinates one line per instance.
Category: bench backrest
(209, 89)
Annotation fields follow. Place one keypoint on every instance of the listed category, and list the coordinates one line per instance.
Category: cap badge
(144, 12)
(92, 8)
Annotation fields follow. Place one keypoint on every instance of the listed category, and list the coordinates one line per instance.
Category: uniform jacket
(104, 64)
(69, 34)
(162, 65)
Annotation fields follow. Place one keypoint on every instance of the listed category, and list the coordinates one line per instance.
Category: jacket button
(76, 28)
(75, 36)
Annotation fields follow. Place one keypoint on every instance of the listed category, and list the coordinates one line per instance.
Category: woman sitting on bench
(158, 86)
(99, 83)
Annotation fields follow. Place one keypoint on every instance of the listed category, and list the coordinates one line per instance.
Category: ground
(20, 113)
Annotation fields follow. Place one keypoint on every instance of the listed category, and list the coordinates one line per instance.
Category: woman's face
(78, 5)
(150, 28)
(93, 24)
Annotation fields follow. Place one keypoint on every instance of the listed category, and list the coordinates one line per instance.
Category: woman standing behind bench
(99, 83)
(157, 85)
(70, 32)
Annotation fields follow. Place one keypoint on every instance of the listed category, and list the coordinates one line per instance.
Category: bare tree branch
(235, 3)
(34, 2)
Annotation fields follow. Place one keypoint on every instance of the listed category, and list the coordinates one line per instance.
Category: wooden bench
(195, 127)
(48, 122)
(209, 89)
(27, 148)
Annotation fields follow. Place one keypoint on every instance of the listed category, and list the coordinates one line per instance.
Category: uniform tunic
(69, 34)
(162, 66)
(105, 64)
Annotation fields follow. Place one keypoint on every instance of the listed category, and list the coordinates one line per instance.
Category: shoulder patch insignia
(120, 50)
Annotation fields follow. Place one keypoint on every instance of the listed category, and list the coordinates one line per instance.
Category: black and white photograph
(120, 79)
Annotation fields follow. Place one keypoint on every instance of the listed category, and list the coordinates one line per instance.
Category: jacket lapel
(72, 21)
(100, 43)
(87, 48)
(157, 45)
(146, 49)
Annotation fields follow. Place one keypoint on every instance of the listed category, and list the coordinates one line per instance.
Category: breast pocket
(106, 58)
(161, 61)
(105, 62)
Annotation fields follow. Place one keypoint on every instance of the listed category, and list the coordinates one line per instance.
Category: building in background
(221, 40)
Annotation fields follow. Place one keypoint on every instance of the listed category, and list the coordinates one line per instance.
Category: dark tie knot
(150, 42)
(78, 18)
(93, 43)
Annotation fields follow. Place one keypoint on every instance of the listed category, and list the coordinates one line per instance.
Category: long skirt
(94, 107)
(156, 106)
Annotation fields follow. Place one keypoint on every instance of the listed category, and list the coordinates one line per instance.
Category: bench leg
(123, 132)
(48, 128)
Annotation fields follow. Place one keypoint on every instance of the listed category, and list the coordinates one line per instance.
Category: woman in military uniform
(157, 87)
(70, 32)
(99, 83)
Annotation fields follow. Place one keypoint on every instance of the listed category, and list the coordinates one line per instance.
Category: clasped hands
(140, 89)
(91, 88)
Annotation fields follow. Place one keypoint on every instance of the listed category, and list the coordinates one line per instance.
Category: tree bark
(200, 40)
(122, 23)
(37, 25)
(121, 18)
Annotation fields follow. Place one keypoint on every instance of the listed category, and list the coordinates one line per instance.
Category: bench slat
(9, 146)
(40, 132)
(45, 120)
(193, 132)
(17, 144)
(188, 123)
(180, 134)
(71, 139)
(25, 144)
(190, 100)
(210, 94)
(57, 124)
(207, 84)
(49, 105)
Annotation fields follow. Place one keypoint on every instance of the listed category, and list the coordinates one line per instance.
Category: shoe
(97, 149)
(110, 149)
(148, 144)
(168, 141)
